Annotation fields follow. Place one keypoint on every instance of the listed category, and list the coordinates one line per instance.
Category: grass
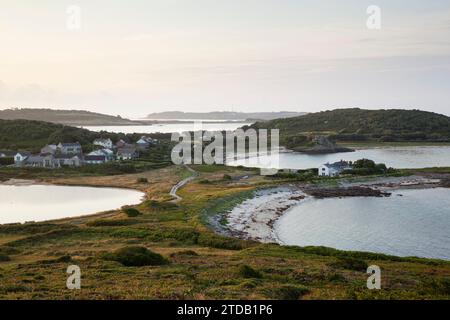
(169, 252)
(350, 263)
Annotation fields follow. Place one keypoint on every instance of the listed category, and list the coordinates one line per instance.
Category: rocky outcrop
(322, 193)
(321, 144)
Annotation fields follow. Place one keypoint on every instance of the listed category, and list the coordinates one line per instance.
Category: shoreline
(75, 217)
(254, 218)
(20, 182)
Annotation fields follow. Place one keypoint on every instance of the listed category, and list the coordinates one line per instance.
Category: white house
(70, 148)
(105, 143)
(68, 160)
(127, 153)
(333, 169)
(107, 153)
(144, 142)
(20, 157)
(41, 160)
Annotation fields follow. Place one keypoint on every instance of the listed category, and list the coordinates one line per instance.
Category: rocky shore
(322, 193)
(322, 145)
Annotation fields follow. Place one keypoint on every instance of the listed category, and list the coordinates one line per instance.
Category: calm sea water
(396, 157)
(170, 127)
(43, 202)
(414, 224)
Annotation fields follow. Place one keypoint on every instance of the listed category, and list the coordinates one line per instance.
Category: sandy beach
(19, 182)
(253, 219)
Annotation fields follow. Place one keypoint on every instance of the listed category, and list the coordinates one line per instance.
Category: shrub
(135, 256)
(246, 271)
(441, 286)
(227, 177)
(350, 264)
(142, 180)
(288, 292)
(6, 161)
(132, 212)
(220, 242)
(4, 257)
(65, 258)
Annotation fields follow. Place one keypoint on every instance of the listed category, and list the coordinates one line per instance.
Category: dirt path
(173, 191)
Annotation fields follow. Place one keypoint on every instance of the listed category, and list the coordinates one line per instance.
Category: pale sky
(139, 56)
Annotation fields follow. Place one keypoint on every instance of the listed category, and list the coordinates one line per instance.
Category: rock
(323, 145)
(322, 193)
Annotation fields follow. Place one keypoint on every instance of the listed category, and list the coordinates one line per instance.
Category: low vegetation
(246, 271)
(132, 212)
(136, 257)
(169, 252)
(365, 167)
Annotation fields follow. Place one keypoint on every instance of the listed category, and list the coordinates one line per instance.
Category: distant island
(66, 117)
(360, 126)
(223, 115)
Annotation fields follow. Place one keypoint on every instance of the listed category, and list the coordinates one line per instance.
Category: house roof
(35, 158)
(24, 153)
(337, 165)
(101, 152)
(145, 139)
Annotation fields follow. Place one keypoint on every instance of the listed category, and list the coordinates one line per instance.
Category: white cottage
(108, 154)
(105, 143)
(70, 148)
(333, 169)
(20, 157)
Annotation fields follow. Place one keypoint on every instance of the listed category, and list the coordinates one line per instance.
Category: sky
(135, 57)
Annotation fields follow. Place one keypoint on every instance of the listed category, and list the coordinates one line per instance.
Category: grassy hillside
(68, 117)
(363, 125)
(32, 135)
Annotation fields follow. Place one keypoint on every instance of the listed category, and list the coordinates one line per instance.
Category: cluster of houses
(71, 154)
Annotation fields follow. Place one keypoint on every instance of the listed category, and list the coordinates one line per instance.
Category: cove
(413, 222)
(19, 204)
